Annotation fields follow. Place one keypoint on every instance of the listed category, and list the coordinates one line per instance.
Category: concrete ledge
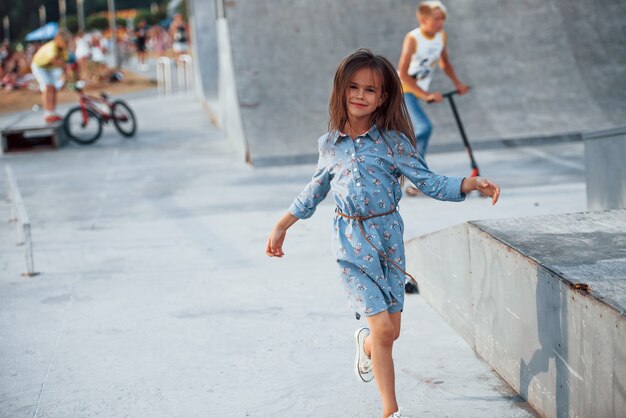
(513, 289)
(28, 132)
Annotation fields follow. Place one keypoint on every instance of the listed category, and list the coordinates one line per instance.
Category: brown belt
(360, 220)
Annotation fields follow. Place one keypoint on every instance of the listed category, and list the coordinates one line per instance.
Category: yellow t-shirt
(45, 55)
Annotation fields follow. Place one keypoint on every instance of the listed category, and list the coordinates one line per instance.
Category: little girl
(363, 159)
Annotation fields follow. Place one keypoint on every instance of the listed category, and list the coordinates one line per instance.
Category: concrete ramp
(26, 131)
(537, 68)
(542, 300)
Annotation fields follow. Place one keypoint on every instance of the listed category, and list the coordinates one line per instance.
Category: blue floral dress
(364, 175)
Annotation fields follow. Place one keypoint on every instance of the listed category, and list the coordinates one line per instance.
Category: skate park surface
(558, 63)
(155, 297)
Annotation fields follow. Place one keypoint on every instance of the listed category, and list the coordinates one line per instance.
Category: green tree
(143, 14)
(121, 23)
(24, 17)
(72, 23)
(97, 22)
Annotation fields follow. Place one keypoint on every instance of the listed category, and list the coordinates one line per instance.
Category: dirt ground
(22, 99)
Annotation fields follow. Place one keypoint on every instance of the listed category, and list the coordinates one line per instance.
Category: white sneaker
(362, 363)
(397, 414)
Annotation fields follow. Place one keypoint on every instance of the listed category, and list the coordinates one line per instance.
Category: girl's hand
(484, 186)
(274, 247)
(487, 188)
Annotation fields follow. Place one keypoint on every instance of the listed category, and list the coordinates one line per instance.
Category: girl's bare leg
(384, 329)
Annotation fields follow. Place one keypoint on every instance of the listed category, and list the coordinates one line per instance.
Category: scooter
(449, 95)
(410, 286)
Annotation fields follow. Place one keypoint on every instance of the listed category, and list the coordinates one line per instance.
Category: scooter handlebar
(450, 93)
(446, 95)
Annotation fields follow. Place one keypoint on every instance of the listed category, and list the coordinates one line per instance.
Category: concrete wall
(285, 54)
(204, 48)
(214, 74)
(229, 109)
(537, 67)
(605, 169)
(560, 348)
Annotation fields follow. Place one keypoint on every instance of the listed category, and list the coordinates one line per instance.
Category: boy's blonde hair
(65, 35)
(426, 8)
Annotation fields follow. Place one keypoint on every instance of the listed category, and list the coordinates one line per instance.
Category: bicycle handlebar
(77, 86)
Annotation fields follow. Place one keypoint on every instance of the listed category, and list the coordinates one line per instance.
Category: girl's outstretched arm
(484, 186)
(274, 246)
(305, 203)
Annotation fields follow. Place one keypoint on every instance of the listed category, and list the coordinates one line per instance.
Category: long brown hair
(391, 115)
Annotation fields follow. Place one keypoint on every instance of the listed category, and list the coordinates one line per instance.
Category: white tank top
(424, 60)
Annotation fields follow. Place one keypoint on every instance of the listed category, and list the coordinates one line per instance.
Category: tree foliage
(24, 14)
(151, 19)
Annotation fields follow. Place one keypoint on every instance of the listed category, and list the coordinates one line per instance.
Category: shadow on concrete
(552, 335)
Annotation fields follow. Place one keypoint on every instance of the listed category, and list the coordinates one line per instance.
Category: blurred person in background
(141, 40)
(13, 69)
(98, 66)
(423, 48)
(5, 50)
(179, 34)
(48, 67)
(82, 53)
(158, 40)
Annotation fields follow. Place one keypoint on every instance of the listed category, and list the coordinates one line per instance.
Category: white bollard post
(180, 64)
(23, 222)
(164, 76)
(185, 73)
(189, 74)
(159, 76)
(9, 188)
(28, 249)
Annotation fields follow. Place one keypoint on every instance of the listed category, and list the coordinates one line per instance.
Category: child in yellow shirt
(48, 67)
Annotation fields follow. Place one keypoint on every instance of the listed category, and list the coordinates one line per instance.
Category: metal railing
(20, 217)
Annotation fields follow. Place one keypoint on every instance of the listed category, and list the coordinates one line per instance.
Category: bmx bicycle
(83, 123)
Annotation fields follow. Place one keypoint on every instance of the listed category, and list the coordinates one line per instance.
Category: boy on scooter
(423, 48)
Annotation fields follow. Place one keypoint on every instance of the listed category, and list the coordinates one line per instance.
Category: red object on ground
(53, 118)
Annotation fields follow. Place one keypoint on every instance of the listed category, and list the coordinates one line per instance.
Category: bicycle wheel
(84, 128)
(123, 118)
